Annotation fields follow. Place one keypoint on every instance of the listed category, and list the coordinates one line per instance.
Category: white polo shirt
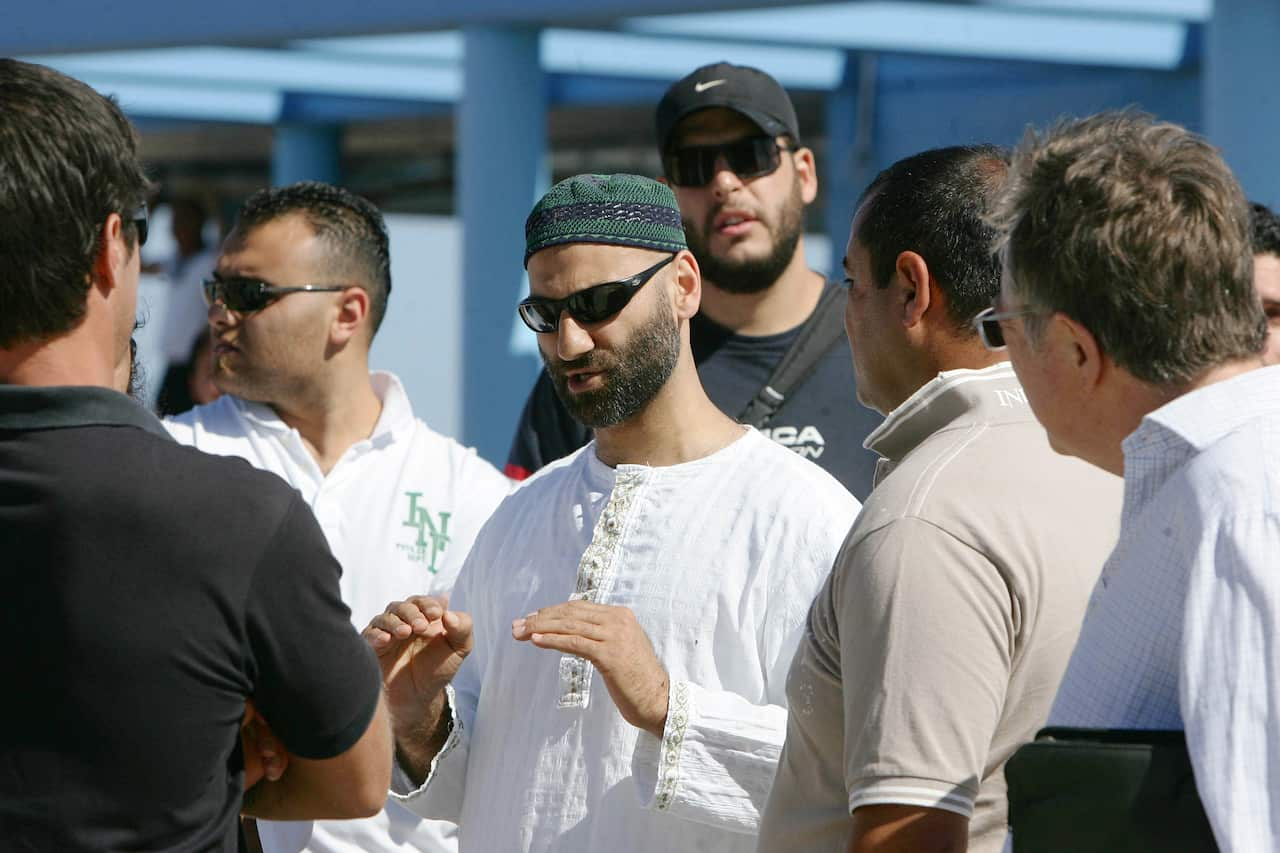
(400, 510)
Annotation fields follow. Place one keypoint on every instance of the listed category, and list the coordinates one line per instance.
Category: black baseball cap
(745, 90)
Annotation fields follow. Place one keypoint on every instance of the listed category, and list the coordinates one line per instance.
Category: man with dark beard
(637, 604)
(731, 152)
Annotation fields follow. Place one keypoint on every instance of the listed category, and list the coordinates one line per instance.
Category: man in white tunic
(628, 615)
(1131, 317)
(300, 288)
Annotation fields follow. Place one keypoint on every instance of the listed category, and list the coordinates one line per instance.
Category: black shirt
(149, 589)
(821, 419)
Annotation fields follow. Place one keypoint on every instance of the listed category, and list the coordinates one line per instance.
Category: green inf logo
(432, 537)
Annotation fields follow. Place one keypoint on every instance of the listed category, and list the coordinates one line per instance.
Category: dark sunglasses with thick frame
(245, 295)
(695, 165)
(139, 219)
(594, 304)
(987, 322)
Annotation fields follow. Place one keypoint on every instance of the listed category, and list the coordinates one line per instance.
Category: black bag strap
(821, 331)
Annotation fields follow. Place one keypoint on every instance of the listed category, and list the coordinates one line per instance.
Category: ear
(688, 285)
(912, 276)
(1081, 349)
(112, 256)
(352, 316)
(806, 173)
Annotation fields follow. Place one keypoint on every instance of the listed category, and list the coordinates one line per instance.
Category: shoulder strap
(821, 331)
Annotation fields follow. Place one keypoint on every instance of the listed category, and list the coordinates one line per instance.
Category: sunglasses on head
(591, 305)
(250, 294)
(988, 325)
(695, 165)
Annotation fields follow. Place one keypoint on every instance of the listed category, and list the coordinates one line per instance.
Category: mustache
(593, 360)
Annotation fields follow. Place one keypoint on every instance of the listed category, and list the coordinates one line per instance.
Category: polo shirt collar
(952, 397)
(396, 417)
(26, 407)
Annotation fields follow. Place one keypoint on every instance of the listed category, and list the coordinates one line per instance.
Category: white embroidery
(672, 744)
(596, 571)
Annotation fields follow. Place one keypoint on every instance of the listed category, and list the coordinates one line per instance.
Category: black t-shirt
(149, 589)
(821, 419)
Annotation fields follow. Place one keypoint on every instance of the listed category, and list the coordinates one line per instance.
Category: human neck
(75, 358)
(779, 308)
(333, 414)
(678, 425)
(1132, 400)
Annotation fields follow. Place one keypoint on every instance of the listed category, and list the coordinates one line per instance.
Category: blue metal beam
(77, 25)
(945, 29)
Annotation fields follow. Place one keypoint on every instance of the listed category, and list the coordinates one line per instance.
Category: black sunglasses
(591, 305)
(988, 325)
(244, 295)
(695, 165)
(139, 219)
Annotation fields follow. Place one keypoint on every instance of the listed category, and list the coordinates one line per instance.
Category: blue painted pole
(1241, 81)
(501, 171)
(838, 173)
(306, 152)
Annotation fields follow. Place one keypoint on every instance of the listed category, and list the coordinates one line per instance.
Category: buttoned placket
(596, 572)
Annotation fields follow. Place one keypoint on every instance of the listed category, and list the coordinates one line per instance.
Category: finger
(431, 606)
(570, 644)
(273, 767)
(540, 623)
(458, 629)
(418, 614)
(376, 637)
(389, 620)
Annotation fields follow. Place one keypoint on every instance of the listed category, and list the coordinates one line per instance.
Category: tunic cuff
(440, 795)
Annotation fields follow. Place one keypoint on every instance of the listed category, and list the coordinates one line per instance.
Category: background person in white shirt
(398, 503)
(1131, 317)
(633, 608)
(934, 649)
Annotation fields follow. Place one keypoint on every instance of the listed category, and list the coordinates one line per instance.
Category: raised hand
(420, 645)
(610, 637)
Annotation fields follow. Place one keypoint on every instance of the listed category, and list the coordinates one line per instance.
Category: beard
(750, 275)
(633, 374)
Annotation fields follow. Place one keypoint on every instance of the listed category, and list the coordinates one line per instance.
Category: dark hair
(934, 204)
(68, 160)
(1137, 230)
(1264, 230)
(350, 226)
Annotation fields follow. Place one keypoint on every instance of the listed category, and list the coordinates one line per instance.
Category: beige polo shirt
(936, 645)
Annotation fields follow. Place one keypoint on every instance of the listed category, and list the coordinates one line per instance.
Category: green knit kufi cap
(621, 210)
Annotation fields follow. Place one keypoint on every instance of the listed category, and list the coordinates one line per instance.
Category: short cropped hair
(1264, 230)
(1137, 230)
(349, 226)
(935, 204)
(68, 160)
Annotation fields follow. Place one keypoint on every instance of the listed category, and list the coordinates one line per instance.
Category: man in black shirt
(151, 591)
(731, 151)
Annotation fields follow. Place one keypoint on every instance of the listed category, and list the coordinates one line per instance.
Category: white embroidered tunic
(719, 558)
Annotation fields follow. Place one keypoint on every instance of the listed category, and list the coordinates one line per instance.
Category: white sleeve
(716, 760)
(441, 795)
(719, 751)
(1229, 686)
